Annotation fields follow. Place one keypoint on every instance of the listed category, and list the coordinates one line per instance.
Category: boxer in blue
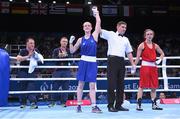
(87, 71)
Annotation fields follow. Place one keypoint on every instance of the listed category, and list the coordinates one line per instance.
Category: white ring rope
(50, 67)
(60, 79)
(76, 59)
(163, 66)
(74, 91)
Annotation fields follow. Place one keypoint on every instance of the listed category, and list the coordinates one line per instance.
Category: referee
(118, 46)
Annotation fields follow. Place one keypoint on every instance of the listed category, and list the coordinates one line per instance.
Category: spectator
(23, 57)
(61, 52)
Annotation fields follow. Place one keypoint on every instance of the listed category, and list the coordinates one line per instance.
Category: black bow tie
(120, 35)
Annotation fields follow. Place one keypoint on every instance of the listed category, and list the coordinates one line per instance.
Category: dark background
(68, 23)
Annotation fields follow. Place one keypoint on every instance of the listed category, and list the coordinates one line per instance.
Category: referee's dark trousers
(115, 75)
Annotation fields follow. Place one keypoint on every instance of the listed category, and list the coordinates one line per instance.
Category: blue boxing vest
(4, 77)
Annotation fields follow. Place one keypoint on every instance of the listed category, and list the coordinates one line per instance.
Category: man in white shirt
(118, 46)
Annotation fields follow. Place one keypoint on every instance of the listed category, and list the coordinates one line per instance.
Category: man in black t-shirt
(61, 52)
(23, 57)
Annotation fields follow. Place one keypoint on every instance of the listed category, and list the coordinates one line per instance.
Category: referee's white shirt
(117, 45)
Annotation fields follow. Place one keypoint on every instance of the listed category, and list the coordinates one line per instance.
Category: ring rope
(74, 91)
(163, 66)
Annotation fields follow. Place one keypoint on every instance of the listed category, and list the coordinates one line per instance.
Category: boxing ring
(59, 112)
